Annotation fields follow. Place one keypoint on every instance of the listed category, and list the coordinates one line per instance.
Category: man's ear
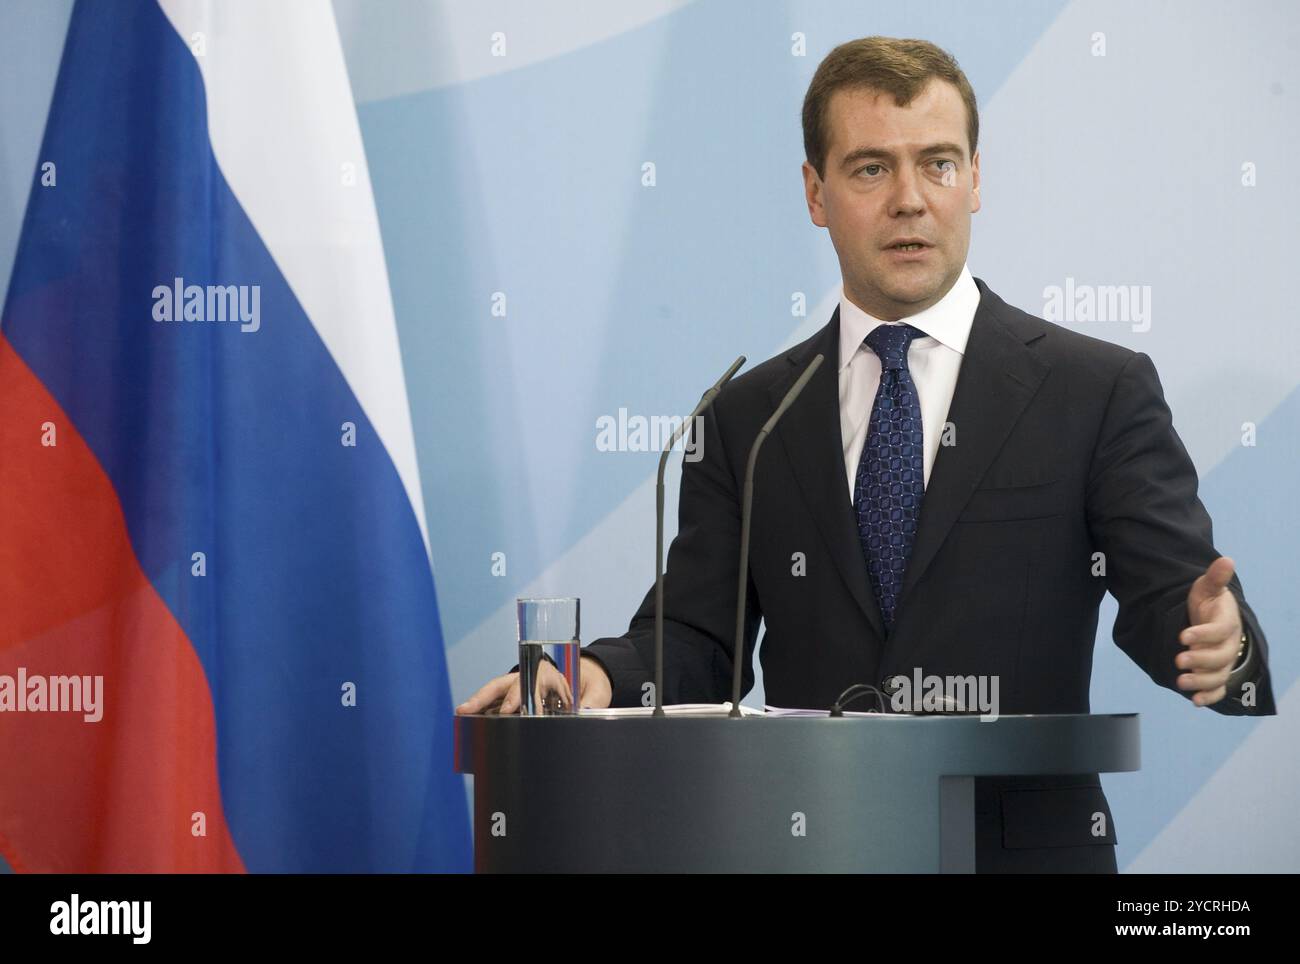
(975, 183)
(812, 188)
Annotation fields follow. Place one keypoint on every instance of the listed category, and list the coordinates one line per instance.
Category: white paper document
(711, 709)
(673, 709)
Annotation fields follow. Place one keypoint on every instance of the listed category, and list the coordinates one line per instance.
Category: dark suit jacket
(1064, 447)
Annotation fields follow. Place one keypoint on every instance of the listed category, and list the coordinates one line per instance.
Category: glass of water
(548, 628)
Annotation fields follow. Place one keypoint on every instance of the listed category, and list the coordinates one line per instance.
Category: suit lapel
(810, 434)
(998, 377)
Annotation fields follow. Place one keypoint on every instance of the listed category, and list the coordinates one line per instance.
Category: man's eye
(867, 167)
(946, 160)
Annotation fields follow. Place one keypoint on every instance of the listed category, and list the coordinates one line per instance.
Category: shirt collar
(948, 320)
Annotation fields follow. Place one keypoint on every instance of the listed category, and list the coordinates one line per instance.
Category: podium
(886, 793)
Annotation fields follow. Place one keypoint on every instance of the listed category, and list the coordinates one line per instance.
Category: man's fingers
(1205, 699)
(489, 695)
(554, 686)
(567, 692)
(1221, 632)
(1189, 682)
(510, 702)
(1209, 657)
(1211, 653)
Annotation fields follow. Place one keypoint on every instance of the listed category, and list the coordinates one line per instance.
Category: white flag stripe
(283, 127)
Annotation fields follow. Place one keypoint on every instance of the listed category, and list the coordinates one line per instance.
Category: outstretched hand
(1213, 637)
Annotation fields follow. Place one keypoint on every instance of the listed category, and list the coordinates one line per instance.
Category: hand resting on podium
(501, 695)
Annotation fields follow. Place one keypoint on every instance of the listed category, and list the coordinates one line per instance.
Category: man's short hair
(886, 64)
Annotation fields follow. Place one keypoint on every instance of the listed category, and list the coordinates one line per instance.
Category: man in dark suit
(953, 493)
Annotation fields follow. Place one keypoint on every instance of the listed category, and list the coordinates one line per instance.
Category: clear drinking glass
(548, 628)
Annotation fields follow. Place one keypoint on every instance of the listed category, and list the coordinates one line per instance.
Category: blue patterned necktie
(891, 473)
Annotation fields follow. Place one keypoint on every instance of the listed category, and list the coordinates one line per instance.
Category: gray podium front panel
(888, 793)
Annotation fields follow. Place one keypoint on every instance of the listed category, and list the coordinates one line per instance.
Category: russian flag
(209, 494)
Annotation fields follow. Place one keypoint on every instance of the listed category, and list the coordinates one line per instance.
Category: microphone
(705, 401)
(738, 654)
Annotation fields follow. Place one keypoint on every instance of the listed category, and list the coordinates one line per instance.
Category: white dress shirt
(933, 362)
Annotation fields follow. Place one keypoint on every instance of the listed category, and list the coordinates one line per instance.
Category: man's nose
(907, 197)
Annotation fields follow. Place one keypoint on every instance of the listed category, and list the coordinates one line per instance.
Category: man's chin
(910, 291)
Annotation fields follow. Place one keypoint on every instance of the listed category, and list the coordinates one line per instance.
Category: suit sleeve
(700, 581)
(1145, 516)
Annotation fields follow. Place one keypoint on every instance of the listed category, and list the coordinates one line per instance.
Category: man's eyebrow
(879, 153)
